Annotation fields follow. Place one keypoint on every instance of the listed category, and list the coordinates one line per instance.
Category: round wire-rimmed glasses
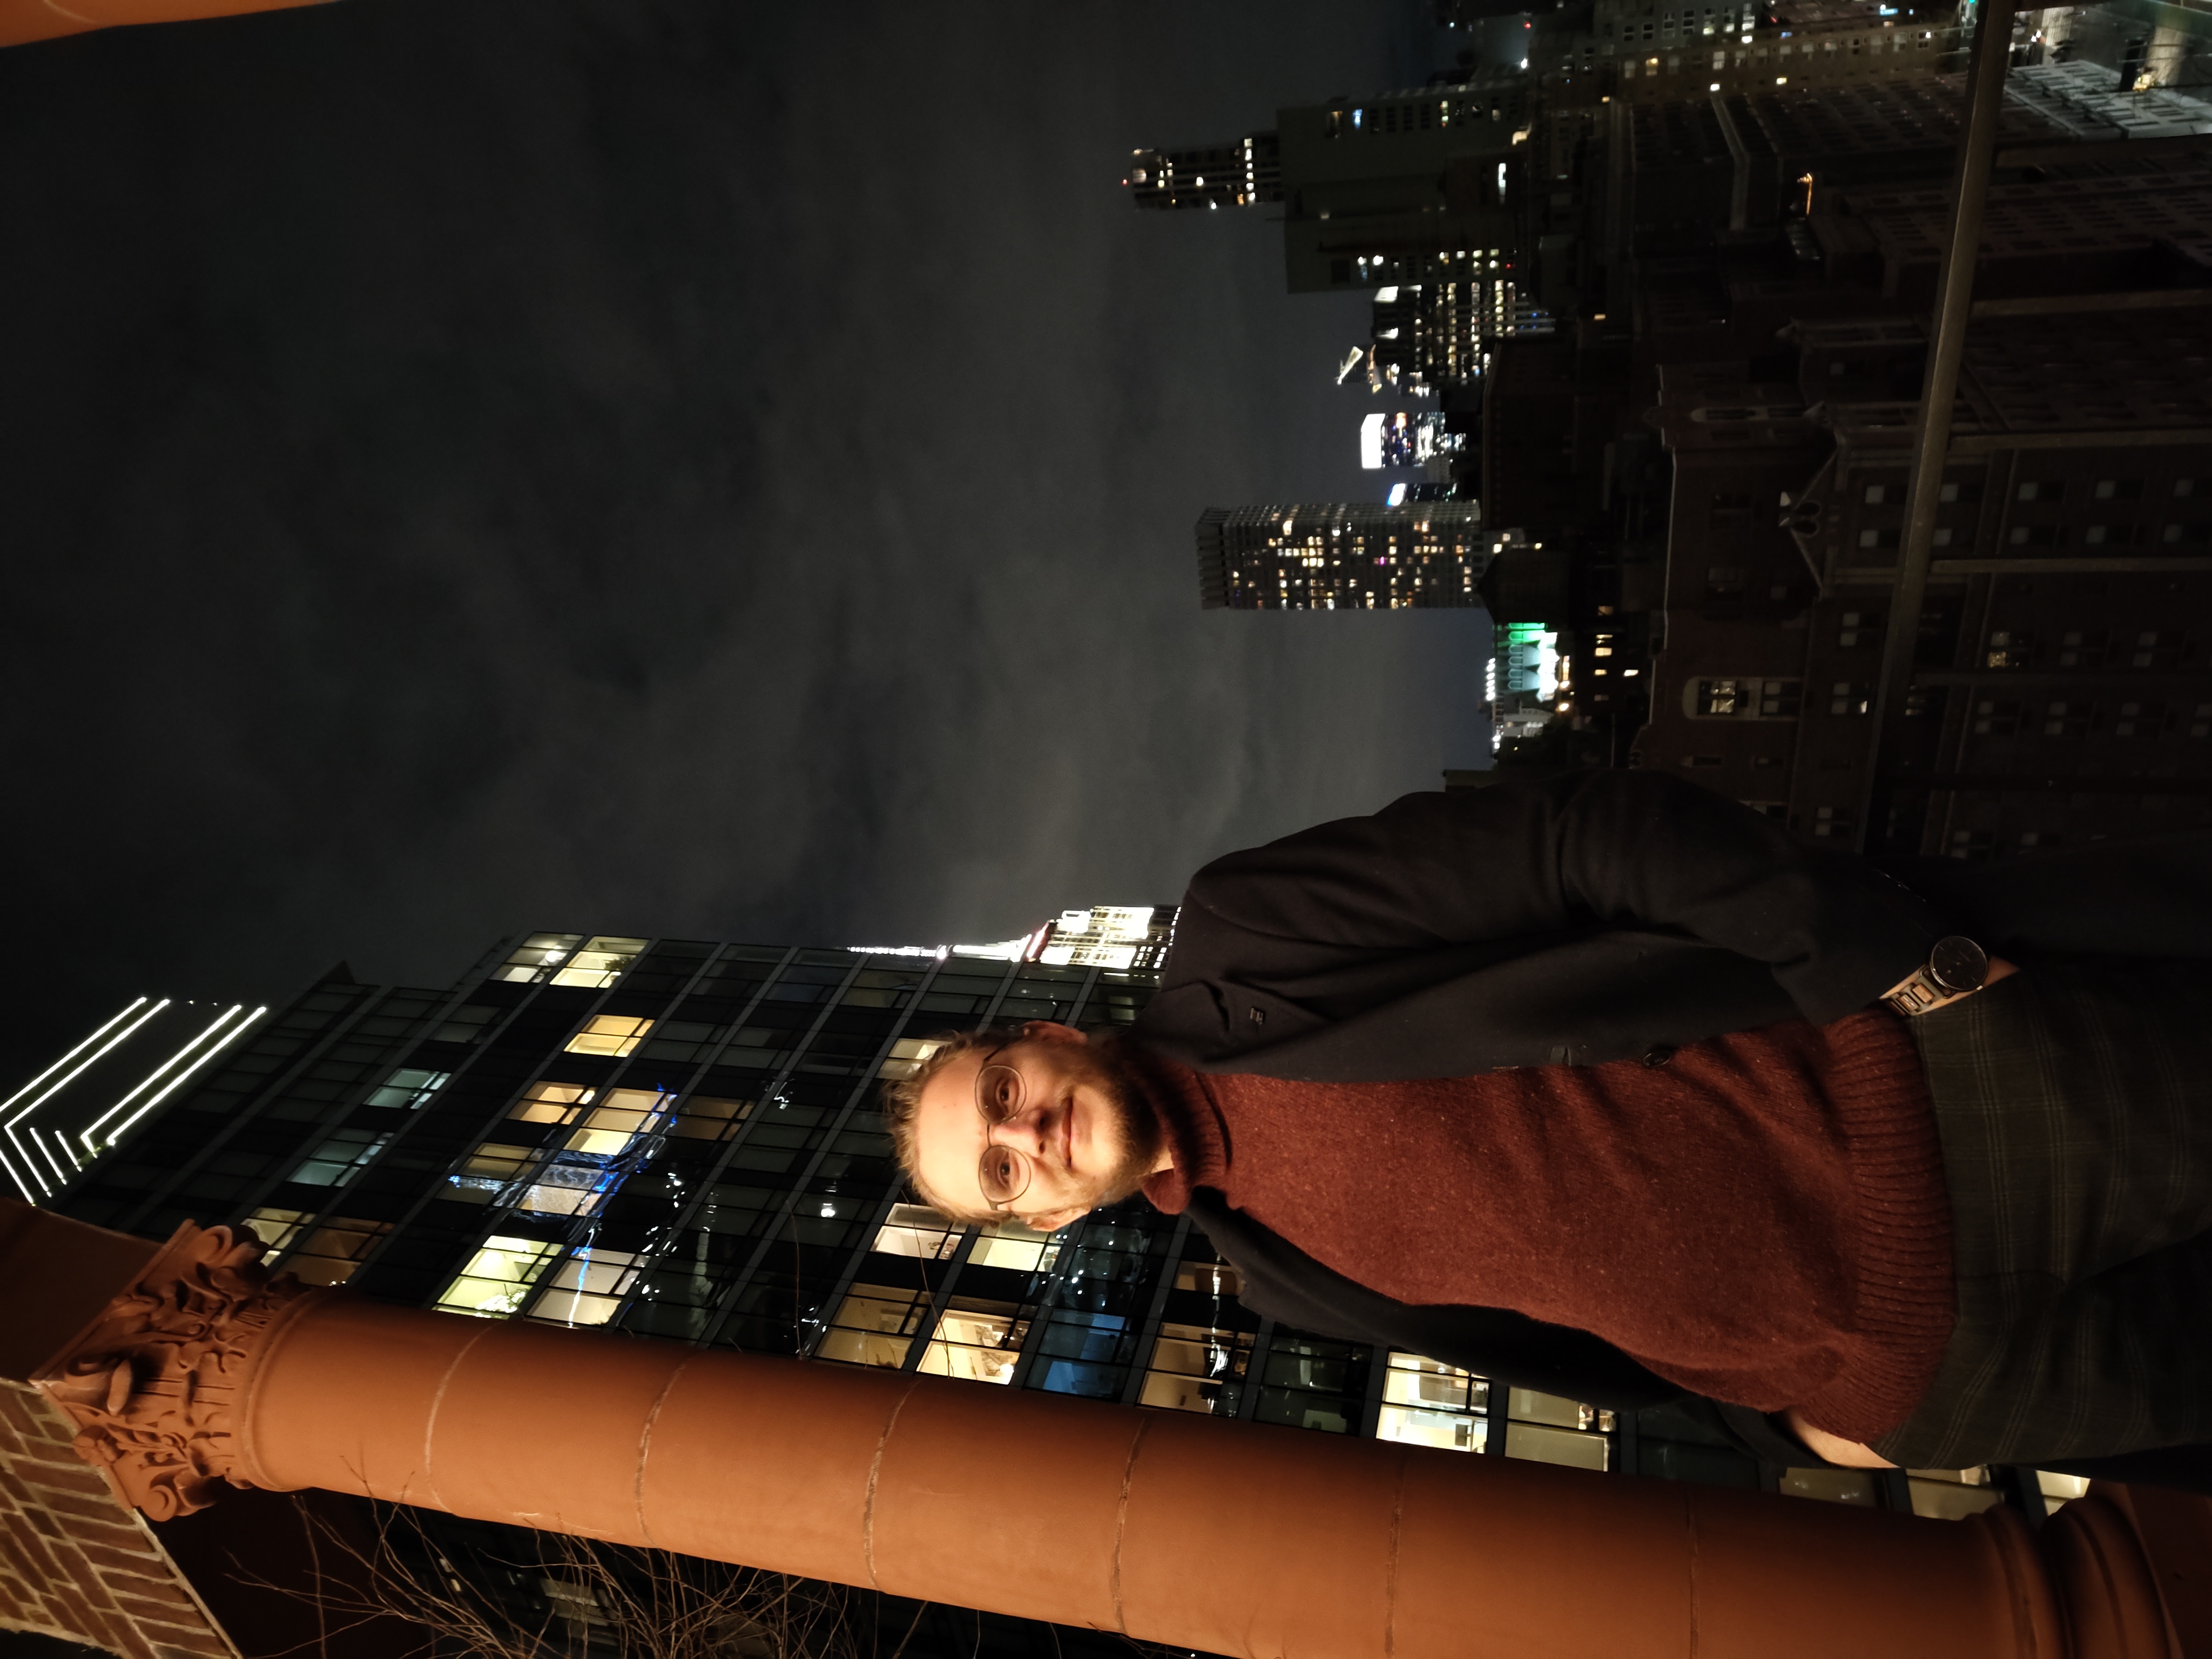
(1003, 1172)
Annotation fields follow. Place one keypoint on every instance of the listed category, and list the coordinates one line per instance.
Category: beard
(1130, 1119)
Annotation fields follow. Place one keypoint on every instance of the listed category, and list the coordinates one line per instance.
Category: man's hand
(1834, 1447)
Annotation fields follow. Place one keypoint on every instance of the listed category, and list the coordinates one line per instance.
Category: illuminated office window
(536, 957)
(1545, 1428)
(915, 1229)
(976, 1341)
(339, 1159)
(618, 1035)
(329, 1255)
(551, 1102)
(600, 962)
(277, 1228)
(1426, 1403)
(489, 1169)
(407, 1088)
(587, 1289)
(1198, 1368)
(498, 1277)
(907, 1055)
(612, 1123)
(1953, 1494)
(1010, 1245)
(874, 1325)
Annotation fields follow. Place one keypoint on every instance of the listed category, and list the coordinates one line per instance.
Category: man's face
(1087, 1136)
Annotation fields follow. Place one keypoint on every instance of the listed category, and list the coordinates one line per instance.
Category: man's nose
(1027, 1130)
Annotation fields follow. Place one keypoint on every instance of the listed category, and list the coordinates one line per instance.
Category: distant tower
(1342, 556)
(1402, 188)
(1242, 174)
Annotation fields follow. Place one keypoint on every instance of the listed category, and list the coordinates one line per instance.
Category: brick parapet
(77, 1561)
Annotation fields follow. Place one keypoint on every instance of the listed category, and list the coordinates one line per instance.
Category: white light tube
(71, 1055)
(15, 1176)
(98, 1054)
(40, 1141)
(155, 1076)
(228, 1038)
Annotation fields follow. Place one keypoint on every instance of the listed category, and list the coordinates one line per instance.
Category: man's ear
(1051, 1030)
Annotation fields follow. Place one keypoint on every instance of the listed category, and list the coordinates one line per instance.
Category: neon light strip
(228, 1038)
(38, 1141)
(155, 1076)
(71, 1055)
(98, 1054)
(15, 1176)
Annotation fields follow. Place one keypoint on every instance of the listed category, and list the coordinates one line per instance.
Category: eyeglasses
(1003, 1172)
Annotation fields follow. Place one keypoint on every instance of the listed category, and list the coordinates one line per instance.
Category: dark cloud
(660, 465)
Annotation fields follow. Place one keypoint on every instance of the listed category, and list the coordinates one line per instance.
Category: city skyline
(523, 515)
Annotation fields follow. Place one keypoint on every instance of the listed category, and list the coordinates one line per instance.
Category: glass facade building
(1341, 556)
(680, 1140)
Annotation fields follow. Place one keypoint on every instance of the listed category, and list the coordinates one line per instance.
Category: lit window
(588, 1288)
(339, 1159)
(276, 1229)
(537, 956)
(975, 1340)
(550, 1103)
(1428, 1403)
(610, 1034)
(907, 1055)
(1010, 1245)
(331, 1252)
(492, 1166)
(916, 1230)
(873, 1326)
(599, 963)
(616, 1119)
(1198, 1368)
(498, 1277)
(407, 1088)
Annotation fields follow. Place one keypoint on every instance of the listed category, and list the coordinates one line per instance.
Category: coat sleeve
(1531, 857)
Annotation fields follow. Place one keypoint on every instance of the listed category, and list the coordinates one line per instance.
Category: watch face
(1958, 963)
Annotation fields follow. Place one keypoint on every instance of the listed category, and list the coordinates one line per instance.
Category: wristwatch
(1956, 966)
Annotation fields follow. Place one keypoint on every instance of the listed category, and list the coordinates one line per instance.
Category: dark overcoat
(1578, 919)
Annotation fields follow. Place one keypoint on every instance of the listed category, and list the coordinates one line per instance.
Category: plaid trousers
(2073, 1102)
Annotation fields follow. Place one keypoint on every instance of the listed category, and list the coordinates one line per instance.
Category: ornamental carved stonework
(153, 1385)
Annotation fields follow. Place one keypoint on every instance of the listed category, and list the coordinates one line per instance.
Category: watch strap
(1924, 989)
(1918, 993)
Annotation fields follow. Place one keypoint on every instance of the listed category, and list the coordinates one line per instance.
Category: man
(1600, 1084)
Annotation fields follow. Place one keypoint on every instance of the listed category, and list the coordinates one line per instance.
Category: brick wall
(77, 1562)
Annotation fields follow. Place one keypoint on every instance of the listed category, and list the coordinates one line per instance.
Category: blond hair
(901, 1106)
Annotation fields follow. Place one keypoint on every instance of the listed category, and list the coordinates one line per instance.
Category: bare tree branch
(561, 1597)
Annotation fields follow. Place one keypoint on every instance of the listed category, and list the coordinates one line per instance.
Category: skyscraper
(679, 1139)
(1242, 174)
(1342, 556)
(1406, 187)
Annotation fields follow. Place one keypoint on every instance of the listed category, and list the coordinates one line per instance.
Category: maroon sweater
(1762, 1219)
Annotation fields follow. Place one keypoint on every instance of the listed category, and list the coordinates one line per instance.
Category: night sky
(656, 466)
